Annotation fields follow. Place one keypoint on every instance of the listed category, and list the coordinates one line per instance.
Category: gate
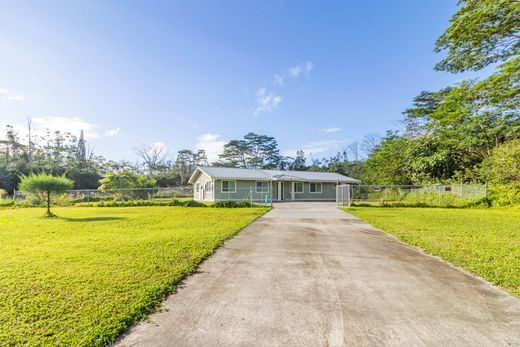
(343, 195)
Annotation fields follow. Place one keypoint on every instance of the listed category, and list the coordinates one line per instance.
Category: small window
(298, 187)
(197, 187)
(209, 186)
(315, 187)
(262, 187)
(228, 186)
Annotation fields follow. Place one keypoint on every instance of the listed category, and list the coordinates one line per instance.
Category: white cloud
(72, 125)
(278, 80)
(330, 130)
(266, 101)
(316, 147)
(112, 132)
(303, 68)
(7, 96)
(212, 144)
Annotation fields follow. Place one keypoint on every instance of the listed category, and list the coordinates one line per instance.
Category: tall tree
(186, 162)
(298, 163)
(81, 150)
(254, 151)
(481, 32)
(153, 157)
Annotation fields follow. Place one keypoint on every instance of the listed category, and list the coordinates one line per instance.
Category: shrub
(502, 167)
(232, 204)
(6, 203)
(136, 203)
(505, 195)
(176, 202)
(193, 203)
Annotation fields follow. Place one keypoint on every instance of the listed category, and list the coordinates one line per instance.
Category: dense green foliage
(82, 279)
(483, 241)
(482, 32)
(125, 179)
(45, 187)
(503, 165)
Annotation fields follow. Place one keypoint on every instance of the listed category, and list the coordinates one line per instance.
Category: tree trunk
(49, 203)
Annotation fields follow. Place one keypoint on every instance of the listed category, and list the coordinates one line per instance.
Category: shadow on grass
(93, 219)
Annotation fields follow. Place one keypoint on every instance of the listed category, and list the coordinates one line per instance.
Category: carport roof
(271, 175)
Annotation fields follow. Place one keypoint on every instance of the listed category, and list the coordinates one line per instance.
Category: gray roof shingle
(267, 175)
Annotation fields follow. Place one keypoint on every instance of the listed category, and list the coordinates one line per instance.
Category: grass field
(82, 279)
(483, 241)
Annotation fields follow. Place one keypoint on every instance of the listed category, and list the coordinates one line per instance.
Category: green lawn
(80, 280)
(483, 241)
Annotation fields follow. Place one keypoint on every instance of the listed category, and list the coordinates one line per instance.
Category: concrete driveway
(307, 274)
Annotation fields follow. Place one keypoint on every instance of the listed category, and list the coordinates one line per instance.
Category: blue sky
(317, 75)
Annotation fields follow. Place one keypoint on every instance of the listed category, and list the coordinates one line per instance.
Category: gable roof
(270, 175)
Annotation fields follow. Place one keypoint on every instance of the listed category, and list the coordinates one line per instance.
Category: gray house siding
(328, 192)
(245, 190)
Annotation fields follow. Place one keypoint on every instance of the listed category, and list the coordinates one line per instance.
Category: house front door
(280, 191)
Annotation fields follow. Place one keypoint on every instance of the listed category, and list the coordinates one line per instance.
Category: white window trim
(321, 188)
(261, 191)
(303, 188)
(227, 191)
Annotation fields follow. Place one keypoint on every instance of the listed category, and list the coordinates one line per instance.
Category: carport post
(271, 192)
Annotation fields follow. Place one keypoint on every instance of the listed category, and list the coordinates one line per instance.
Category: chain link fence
(93, 195)
(410, 195)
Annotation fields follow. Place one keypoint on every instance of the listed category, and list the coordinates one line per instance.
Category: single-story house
(221, 183)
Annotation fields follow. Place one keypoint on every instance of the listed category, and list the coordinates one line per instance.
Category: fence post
(439, 194)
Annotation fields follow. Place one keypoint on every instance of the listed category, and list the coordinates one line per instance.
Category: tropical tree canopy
(482, 32)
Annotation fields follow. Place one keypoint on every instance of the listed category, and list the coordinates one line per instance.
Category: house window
(315, 187)
(298, 187)
(229, 187)
(209, 186)
(197, 187)
(262, 187)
